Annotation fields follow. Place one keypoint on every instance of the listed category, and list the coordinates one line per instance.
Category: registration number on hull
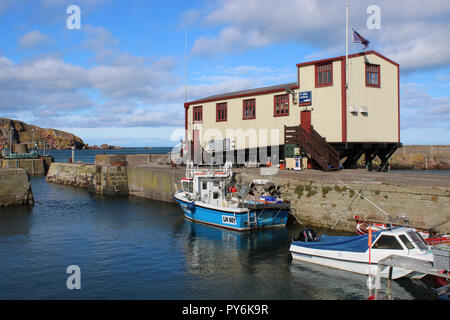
(229, 220)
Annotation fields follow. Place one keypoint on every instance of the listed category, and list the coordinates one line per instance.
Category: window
(204, 185)
(324, 75)
(221, 111)
(406, 241)
(417, 239)
(198, 114)
(387, 242)
(187, 186)
(372, 75)
(249, 109)
(281, 105)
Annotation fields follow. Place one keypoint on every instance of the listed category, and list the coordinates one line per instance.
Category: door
(197, 151)
(305, 120)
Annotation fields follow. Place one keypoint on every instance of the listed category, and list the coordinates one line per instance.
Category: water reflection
(15, 221)
(324, 283)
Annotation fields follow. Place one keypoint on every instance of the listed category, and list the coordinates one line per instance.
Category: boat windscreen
(406, 241)
(187, 186)
(417, 239)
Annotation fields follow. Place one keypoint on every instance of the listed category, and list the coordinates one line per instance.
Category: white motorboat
(352, 253)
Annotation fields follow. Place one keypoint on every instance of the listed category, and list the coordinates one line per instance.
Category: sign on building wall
(304, 98)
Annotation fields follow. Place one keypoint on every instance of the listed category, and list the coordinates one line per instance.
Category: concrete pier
(15, 188)
(318, 198)
(34, 167)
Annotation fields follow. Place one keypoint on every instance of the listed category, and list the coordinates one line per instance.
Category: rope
(364, 197)
(348, 207)
(295, 216)
(440, 223)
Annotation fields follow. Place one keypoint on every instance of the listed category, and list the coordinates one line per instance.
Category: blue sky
(120, 78)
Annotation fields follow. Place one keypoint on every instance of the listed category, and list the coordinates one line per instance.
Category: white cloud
(421, 110)
(99, 38)
(412, 32)
(49, 83)
(34, 39)
(230, 39)
(132, 93)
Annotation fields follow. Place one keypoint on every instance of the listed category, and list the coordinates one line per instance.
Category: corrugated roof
(248, 92)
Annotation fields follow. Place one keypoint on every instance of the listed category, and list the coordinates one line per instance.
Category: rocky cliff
(26, 133)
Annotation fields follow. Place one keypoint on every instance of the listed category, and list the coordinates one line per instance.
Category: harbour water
(131, 248)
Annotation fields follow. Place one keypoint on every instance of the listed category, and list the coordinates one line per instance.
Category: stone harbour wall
(132, 159)
(73, 174)
(110, 180)
(34, 167)
(154, 183)
(323, 203)
(15, 188)
(107, 179)
(420, 157)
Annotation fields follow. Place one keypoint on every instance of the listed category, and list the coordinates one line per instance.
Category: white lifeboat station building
(317, 116)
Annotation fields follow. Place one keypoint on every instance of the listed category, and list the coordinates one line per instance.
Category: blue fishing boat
(210, 195)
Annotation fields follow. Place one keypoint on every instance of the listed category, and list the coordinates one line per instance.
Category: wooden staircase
(314, 144)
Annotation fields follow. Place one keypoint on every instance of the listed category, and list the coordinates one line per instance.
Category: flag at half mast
(358, 38)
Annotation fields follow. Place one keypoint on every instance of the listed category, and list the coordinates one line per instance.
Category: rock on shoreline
(23, 133)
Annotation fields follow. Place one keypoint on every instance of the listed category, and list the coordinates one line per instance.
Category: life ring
(362, 228)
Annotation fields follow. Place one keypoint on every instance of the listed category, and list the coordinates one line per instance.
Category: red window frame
(324, 74)
(281, 104)
(198, 114)
(372, 75)
(221, 112)
(249, 109)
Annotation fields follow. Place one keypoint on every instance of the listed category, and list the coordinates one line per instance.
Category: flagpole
(346, 64)
(185, 65)
(346, 46)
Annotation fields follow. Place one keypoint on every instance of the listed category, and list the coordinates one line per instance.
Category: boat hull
(233, 220)
(356, 265)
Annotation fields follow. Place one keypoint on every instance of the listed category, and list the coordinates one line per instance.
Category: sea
(131, 248)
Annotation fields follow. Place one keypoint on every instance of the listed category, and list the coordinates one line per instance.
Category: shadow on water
(15, 221)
